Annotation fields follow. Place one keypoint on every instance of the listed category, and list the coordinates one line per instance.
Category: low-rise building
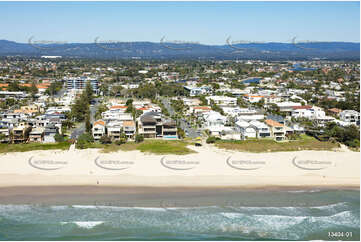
(263, 131)
(278, 131)
(246, 129)
(223, 101)
(350, 116)
(129, 129)
(151, 125)
(98, 129)
(49, 133)
(4, 134)
(36, 135)
(114, 130)
(169, 130)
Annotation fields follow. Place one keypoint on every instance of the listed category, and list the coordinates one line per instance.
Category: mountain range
(164, 50)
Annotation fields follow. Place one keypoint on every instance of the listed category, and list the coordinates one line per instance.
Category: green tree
(88, 126)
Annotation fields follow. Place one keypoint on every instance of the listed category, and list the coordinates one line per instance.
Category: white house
(246, 129)
(214, 122)
(263, 131)
(98, 129)
(223, 100)
(350, 116)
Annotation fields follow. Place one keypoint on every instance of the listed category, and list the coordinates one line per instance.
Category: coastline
(208, 168)
(148, 196)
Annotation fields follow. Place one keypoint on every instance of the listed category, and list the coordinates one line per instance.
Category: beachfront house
(147, 126)
(4, 134)
(114, 130)
(263, 131)
(151, 125)
(129, 129)
(36, 135)
(49, 133)
(98, 129)
(169, 129)
(245, 129)
(277, 129)
(214, 122)
(19, 133)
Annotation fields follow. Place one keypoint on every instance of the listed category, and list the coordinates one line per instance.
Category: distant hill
(149, 50)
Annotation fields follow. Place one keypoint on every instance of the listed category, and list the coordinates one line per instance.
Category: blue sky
(204, 22)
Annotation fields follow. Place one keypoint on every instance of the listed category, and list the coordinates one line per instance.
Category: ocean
(234, 215)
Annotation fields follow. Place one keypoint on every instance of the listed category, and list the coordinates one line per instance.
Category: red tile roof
(273, 123)
(302, 107)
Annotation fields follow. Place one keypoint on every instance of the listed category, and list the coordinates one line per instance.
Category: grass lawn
(154, 146)
(165, 147)
(304, 143)
(4, 148)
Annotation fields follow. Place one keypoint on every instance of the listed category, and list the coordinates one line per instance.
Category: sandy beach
(209, 167)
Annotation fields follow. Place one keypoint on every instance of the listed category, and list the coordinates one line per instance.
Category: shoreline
(145, 196)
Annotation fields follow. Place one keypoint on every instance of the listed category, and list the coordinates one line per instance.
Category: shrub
(121, 141)
(105, 139)
(139, 138)
(59, 138)
(211, 140)
(83, 140)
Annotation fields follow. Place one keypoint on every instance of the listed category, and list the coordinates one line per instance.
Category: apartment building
(79, 84)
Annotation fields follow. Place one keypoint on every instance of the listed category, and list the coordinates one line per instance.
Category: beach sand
(209, 167)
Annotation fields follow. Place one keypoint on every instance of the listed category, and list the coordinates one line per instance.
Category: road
(81, 129)
(191, 132)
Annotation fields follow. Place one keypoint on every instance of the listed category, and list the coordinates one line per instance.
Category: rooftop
(273, 123)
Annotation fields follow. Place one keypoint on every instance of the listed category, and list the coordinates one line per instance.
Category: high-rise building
(78, 84)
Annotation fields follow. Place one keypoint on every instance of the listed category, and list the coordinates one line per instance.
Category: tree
(33, 89)
(83, 140)
(88, 125)
(129, 102)
(101, 108)
(211, 140)
(181, 133)
(88, 92)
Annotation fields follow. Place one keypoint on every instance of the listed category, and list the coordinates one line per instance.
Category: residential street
(190, 132)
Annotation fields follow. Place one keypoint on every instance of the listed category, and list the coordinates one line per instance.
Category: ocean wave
(305, 191)
(84, 224)
(328, 209)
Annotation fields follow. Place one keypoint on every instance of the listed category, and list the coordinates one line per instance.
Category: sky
(201, 22)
